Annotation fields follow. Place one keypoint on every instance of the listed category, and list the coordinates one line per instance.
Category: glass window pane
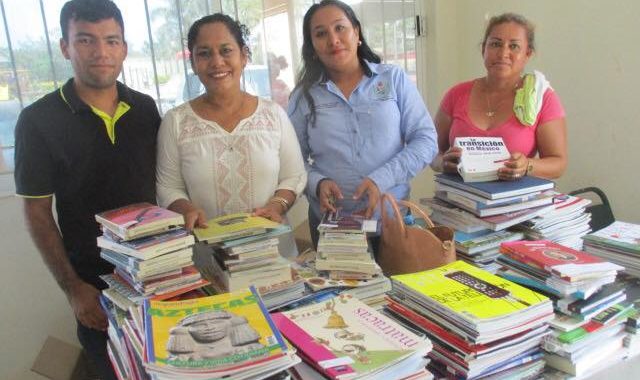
(32, 64)
(172, 61)
(410, 38)
(9, 103)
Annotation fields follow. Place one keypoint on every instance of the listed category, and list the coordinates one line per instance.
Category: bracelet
(529, 166)
(282, 201)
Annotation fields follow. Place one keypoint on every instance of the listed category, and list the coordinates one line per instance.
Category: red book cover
(545, 254)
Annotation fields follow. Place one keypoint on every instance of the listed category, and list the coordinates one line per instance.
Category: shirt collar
(71, 98)
(374, 69)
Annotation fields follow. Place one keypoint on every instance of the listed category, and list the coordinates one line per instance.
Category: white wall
(588, 51)
(33, 306)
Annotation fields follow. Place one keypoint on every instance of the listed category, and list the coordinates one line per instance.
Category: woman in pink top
(484, 107)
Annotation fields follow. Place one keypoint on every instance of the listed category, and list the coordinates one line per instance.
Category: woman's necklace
(491, 111)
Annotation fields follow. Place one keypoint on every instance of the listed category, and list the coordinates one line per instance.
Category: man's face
(96, 51)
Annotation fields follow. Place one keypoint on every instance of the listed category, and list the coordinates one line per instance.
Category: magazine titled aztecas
(215, 333)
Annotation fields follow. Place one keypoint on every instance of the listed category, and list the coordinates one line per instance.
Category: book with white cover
(481, 157)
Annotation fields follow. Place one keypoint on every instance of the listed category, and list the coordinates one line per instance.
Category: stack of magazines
(343, 248)
(481, 325)
(370, 290)
(483, 248)
(619, 243)
(151, 251)
(228, 336)
(239, 250)
(588, 329)
(342, 338)
(244, 251)
(565, 224)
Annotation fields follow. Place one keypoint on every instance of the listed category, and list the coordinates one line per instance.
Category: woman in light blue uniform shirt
(362, 126)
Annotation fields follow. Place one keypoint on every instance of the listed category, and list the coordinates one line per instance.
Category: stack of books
(555, 269)
(342, 338)
(481, 212)
(480, 324)
(370, 290)
(239, 250)
(343, 248)
(565, 224)
(125, 345)
(591, 347)
(618, 243)
(494, 205)
(588, 329)
(151, 251)
(483, 248)
(228, 336)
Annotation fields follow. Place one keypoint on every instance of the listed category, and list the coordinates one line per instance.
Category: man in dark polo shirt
(91, 144)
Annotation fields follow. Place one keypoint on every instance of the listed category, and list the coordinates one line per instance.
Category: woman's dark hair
(88, 10)
(312, 68)
(239, 31)
(515, 18)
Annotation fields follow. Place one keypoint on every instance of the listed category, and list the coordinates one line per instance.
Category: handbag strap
(394, 205)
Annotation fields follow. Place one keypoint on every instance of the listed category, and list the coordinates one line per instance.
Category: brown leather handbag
(409, 249)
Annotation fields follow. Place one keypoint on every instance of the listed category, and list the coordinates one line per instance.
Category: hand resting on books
(515, 168)
(270, 211)
(193, 216)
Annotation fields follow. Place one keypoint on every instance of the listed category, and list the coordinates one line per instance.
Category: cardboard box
(59, 360)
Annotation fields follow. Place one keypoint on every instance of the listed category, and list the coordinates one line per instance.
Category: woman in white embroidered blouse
(226, 151)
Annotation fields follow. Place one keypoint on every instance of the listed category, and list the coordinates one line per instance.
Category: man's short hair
(88, 10)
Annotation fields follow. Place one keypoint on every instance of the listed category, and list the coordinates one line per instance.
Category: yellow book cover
(471, 291)
(233, 226)
(219, 332)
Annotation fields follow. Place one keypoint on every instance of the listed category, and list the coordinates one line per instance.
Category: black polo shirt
(62, 148)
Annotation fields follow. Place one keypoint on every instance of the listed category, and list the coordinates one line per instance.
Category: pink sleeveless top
(517, 136)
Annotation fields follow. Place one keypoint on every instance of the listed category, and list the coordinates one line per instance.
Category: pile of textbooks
(494, 205)
(483, 248)
(588, 330)
(555, 269)
(481, 212)
(565, 224)
(151, 251)
(239, 250)
(228, 336)
(343, 338)
(320, 284)
(343, 248)
(481, 325)
(618, 243)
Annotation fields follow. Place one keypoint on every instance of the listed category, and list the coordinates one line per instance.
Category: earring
(359, 42)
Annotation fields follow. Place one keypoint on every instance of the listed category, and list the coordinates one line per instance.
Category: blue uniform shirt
(383, 131)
